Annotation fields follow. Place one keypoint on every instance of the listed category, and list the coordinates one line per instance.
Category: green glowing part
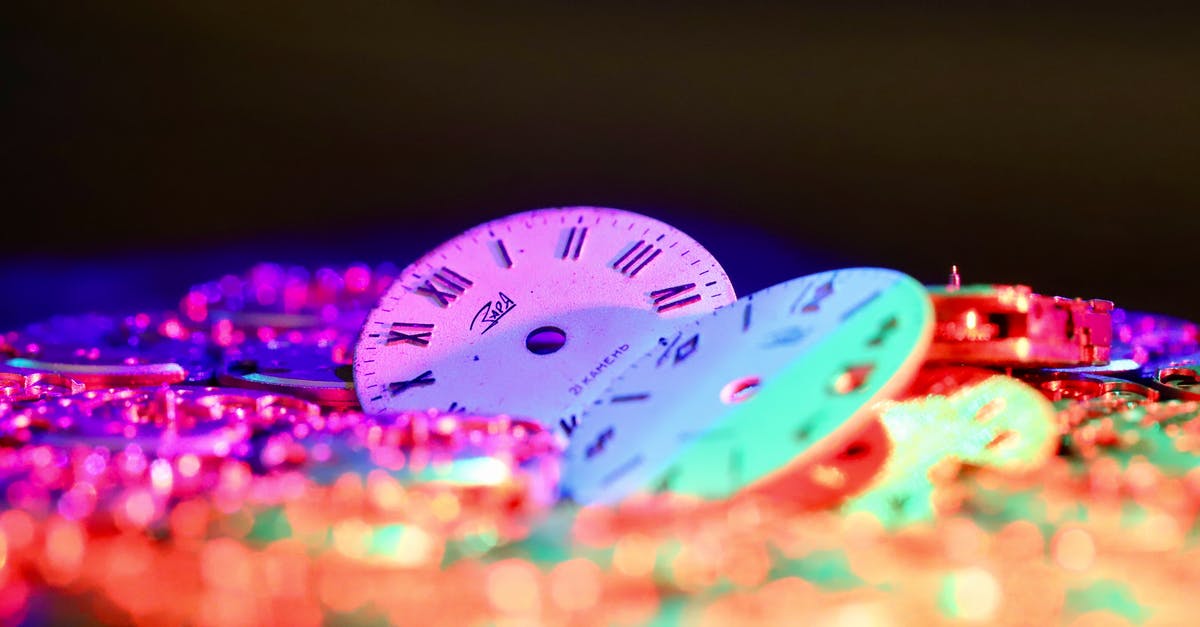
(948, 598)
(974, 289)
(475, 471)
(484, 546)
(385, 539)
(549, 542)
(478, 469)
(671, 611)
(827, 569)
(794, 412)
(173, 370)
(897, 504)
(270, 525)
(1150, 443)
(746, 397)
(999, 422)
(993, 509)
(1106, 595)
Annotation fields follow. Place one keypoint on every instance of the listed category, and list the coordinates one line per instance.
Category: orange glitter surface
(215, 506)
(767, 566)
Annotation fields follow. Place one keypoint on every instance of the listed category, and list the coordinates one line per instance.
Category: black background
(151, 145)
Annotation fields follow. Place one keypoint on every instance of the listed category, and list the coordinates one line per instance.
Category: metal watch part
(114, 351)
(978, 416)
(961, 415)
(1071, 386)
(99, 373)
(449, 449)
(1160, 433)
(1174, 378)
(532, 314)
(753, 392)
(203, 421)
(1123, 367)
(321, 374)
(470, 482)
(1009, 325)
(24, 386)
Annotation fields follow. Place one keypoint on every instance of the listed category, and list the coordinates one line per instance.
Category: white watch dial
(532, 314)
(780, 377)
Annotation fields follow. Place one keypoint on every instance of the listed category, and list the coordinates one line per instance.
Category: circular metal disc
(532, 314)
(739, 398)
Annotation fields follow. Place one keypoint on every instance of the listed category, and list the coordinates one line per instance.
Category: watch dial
(532, 314)
(734, 399)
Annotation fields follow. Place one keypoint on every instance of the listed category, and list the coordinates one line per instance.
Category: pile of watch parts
(210, 465)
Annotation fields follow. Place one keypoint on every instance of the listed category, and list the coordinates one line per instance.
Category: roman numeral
(421, 380)
(448, 279)
(686, 349)
(668, 293)
(885, 329)
(823, 292)
(569, 424)
(597, 447)
(625, 398)
(666, 353)
(632, 267)
(420, 338)
(566, 249)
(682, 352)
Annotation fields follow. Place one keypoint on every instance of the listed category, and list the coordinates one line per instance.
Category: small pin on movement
(955, 280)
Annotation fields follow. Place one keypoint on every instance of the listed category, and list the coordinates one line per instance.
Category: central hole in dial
(740, 390)
(545, 340)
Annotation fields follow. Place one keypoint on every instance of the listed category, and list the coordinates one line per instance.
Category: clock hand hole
(740, 390)
(545, 340)
(855, 450)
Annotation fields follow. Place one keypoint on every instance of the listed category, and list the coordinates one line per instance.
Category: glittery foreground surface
(155, 498)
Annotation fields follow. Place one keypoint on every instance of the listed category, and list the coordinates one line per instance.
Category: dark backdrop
(150, 145)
